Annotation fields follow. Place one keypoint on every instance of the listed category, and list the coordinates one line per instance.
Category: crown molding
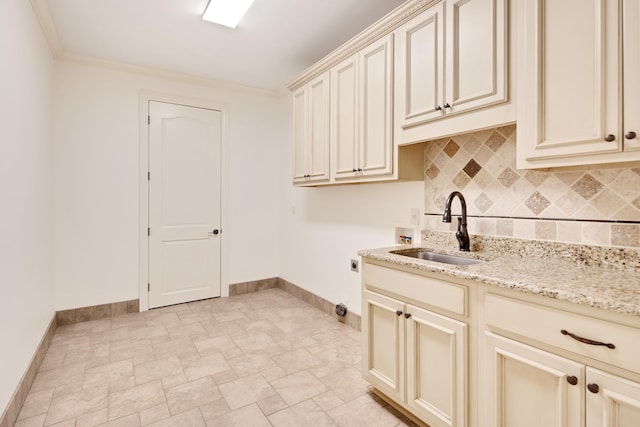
(163, 74)
(43, 14)
(375, 31)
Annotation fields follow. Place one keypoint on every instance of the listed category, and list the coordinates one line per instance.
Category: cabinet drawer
(447, 296)
(544, 324)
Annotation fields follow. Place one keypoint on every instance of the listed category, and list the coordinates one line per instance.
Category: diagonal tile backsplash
(587, 205)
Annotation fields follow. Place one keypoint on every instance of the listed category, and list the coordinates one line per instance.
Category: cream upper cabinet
(631, 71)
(311, 132)
(450, 59)
(344, 118)
(361, 114)
(572, 82)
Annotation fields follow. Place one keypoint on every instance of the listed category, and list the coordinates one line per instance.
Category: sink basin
(436, 257)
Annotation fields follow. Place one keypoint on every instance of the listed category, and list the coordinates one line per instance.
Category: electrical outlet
(355, 265)
(415, 216)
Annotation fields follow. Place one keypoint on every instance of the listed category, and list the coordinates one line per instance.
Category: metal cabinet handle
(399, 313)
(593, 388)
(572, 380)
(407, 315)
(438, 108)
(587, 340)
(630, 135)
(215, 232)
(610, 138)
(447, 105)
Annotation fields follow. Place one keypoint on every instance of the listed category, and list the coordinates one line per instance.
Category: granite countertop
(605, 278)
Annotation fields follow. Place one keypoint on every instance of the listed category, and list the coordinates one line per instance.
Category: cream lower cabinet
(416, 357)
(614, 403)
(528, 387)
(545, 367)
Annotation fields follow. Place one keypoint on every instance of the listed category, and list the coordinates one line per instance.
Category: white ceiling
(275, 41)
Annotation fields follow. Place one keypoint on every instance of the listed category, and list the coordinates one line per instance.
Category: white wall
(26, 161)
(323, 228)
(96, 125)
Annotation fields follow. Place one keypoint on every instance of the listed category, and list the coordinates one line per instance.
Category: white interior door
(184, 203)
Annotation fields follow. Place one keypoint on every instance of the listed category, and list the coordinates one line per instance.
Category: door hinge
(148, 120)
(149, 231)
(148, 287)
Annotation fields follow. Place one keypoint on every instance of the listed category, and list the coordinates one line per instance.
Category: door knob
(610, 138)
(215, 232)
(593, 388)
(630, 135)
(572, 380)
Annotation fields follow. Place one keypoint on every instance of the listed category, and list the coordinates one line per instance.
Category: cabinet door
(476, 54)
(300, 135)
(311, 131)
(383, 344)
(344, 118)
(527, 387)
(436, 368)
(631, 43)
(419, 80)
(318, 123)
(615, 402)
(376, 108)
(569, 98)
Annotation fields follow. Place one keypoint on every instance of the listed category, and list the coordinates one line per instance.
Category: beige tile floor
(258, 359)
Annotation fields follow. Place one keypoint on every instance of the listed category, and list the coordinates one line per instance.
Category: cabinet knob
(355, 170)
(630, 135)
(407, 315)
(572, 380)
(447, 105)
(610, 138)
(438, 108)
(593, 388)
(399, 313)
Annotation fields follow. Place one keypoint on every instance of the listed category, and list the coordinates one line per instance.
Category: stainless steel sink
(436, 257)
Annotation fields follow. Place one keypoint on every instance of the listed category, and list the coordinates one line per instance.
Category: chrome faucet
(461, 234)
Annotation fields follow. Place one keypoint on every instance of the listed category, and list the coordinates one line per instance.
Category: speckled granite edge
(594, 256)
(613, 289)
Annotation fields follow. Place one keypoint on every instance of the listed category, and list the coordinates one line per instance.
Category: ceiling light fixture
(226, 12)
